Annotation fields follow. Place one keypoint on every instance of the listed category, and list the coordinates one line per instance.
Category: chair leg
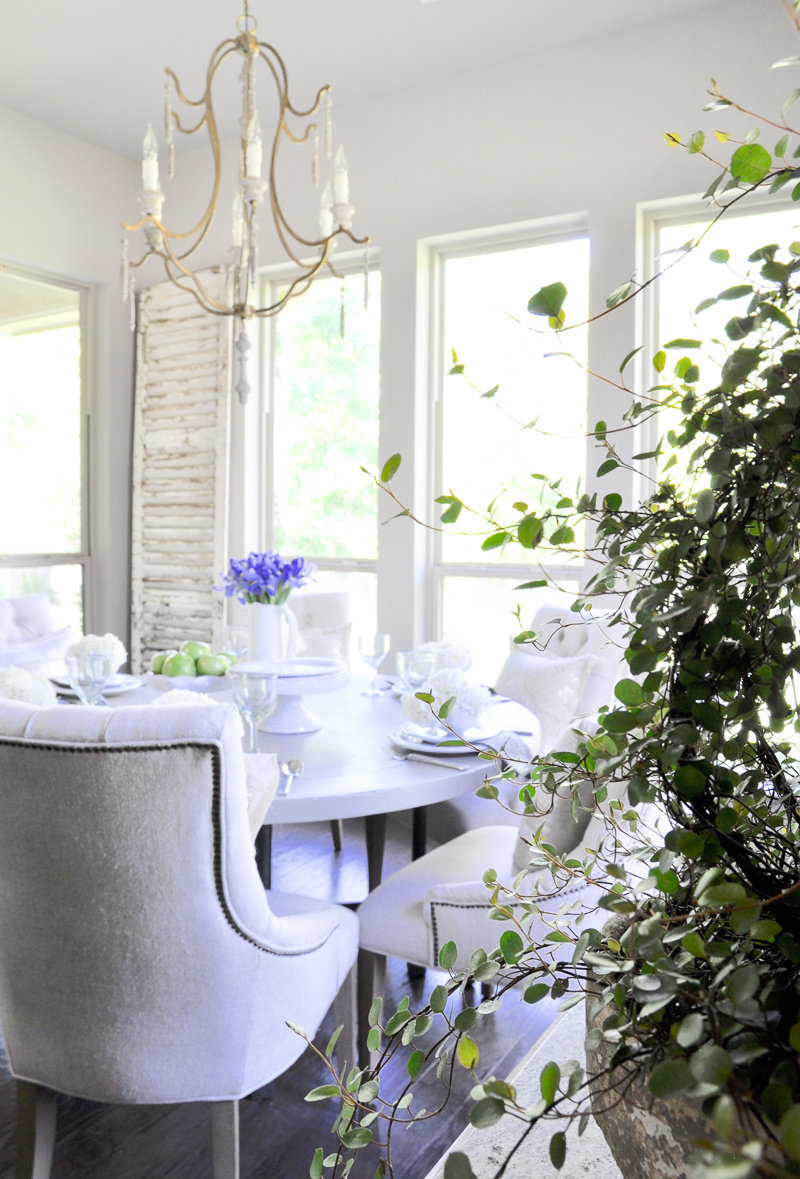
(337, 833)
(345, 1011)
(225, 1139)
(371, 982)
(264, 854)
(36, 1131)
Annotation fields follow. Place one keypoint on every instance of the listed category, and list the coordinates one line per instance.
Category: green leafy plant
(691, 962)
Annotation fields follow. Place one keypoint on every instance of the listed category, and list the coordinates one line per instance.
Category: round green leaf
(689, 781)
(465, 1019)
(549, 300)
(467, 1052)
(536, 992)
(790, 1132)
(457, 1167)
(750, 163)
(691, 1030)
(551, 1075)
(511, 945)
(558, 1149)
(711, 1064)
(448, 955)
(486, 1112)
(630, 693)
(390, 468)
(670, 1078)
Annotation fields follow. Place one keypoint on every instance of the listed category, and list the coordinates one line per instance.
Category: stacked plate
(305, 675)
(412, 738)
(117, 685)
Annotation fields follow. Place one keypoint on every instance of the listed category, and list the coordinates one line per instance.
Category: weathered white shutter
(180, 469)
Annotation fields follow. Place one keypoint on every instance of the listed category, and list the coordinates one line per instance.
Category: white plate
(479, 736)
(118, 685)
(301, 668)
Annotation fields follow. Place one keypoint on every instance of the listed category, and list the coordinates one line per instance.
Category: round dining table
(351, 768)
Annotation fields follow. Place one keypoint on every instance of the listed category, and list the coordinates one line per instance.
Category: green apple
(212, 665)
(158, 661)
(193, 649)
(179, 664)
(228, 656)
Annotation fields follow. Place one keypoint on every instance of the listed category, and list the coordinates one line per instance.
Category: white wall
(575, 131)
(61, 204)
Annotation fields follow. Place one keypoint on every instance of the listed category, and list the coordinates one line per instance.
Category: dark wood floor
(279, 1134)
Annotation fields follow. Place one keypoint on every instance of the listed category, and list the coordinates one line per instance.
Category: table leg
(376, 841)
(337, 833)
(419, 832)
(264, 855)
(419, 843)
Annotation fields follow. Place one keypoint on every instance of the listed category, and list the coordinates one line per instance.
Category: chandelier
(335, 216)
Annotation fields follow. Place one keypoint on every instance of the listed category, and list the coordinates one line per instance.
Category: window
(324, 429)
(486, 444)
(694, 277)
(43, 539)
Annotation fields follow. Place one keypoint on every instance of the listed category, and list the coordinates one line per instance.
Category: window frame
(498, 239)
(271, 277)
(83, 557)
(651, 217)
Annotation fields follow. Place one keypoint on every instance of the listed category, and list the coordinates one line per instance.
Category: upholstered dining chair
(568, 676)
(141, 961)
(441, 897)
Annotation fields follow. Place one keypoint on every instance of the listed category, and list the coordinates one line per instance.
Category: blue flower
(265, 577)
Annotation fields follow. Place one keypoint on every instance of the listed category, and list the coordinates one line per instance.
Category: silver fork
(430, 761)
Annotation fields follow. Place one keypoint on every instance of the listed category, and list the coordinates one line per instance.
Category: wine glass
(88, 675)
(373, 650)
(415, 668)
(236, 640)
(254, 695)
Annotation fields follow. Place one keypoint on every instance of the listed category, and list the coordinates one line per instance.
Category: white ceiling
(95, 67)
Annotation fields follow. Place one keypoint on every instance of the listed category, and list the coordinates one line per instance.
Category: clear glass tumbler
(254, 695)
(88, 676)
(415, 668)
(373, 650)
(236, 640)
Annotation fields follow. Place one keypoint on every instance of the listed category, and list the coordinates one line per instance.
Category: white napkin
(262, 783)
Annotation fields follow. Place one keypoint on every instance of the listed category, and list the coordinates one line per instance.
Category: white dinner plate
(118, 685)
(301, 668)
(478, 735)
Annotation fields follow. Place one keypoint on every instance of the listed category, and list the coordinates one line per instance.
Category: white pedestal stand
(298, 678)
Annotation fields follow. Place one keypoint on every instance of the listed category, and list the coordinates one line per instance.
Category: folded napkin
(262, 783)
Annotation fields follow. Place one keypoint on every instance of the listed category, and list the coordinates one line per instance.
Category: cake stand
(298, 678)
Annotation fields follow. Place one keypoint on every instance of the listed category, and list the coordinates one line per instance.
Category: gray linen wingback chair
(141, 960)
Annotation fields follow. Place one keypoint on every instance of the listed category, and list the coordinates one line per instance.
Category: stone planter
(649, 1138)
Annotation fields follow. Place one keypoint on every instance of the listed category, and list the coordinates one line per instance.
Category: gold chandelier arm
(210, 302)
(300, 138)
(283, 82)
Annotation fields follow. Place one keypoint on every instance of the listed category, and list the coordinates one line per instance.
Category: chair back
(324, 622)
(565, 635)
(129, 901)
(28, 634)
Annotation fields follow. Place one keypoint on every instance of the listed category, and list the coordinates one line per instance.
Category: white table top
(349, 770)
(348, 765)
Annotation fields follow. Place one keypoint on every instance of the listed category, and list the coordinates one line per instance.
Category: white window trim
(432, 255)
(345, 263)
(87, 313)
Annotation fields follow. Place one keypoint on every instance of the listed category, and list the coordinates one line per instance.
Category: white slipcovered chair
(141, 961)
(441, 897)
(28, 634)
(570, 674)
(324, 622)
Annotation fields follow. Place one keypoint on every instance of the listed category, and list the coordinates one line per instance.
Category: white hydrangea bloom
(471, 698)
(108, 645)
(449, 655)
(17, 683)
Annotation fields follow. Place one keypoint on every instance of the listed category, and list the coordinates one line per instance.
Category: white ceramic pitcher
(266, 639)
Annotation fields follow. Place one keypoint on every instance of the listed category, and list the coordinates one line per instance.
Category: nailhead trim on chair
(216, 812)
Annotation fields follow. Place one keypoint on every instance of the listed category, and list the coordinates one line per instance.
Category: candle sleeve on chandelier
(326, 212)
(255, 151)
(150, 161)
(341, 181)
(238, 220)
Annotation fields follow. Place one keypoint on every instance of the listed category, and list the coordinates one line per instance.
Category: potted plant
(691, 964)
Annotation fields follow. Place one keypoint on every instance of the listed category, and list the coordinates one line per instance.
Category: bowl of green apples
(193, 665)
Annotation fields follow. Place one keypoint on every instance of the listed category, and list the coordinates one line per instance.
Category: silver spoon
(290, 769)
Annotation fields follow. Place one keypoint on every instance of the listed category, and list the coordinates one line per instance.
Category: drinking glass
(88, 676)
(236, 639)
(373, 650)
(415, 668)
(254, 694)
